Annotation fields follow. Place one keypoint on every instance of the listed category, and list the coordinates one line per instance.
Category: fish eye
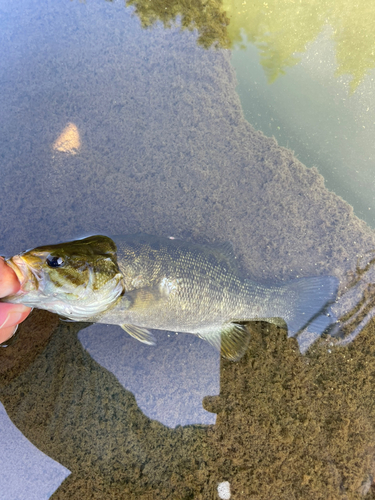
(54, 261)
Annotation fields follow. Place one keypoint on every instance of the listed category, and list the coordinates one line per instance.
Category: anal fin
(232, 340)
(141, 334)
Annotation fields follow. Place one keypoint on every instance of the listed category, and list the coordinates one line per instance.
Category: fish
(143, 282)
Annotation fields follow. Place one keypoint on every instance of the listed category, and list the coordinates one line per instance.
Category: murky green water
(313, 112)
(110, 128)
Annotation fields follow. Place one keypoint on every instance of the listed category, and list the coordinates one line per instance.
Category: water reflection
(321, 108)
(208, 18)
(282, 30)
(69, 140)
(279, 29)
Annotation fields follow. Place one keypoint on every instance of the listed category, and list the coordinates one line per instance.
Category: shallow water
(110, 128)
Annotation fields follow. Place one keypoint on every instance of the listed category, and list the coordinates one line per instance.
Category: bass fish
(143, 282)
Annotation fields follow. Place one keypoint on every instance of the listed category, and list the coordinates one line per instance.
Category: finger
(12, 314)
(7, 333)
(9, 283)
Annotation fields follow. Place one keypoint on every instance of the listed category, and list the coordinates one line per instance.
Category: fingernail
(12, 319)
(11, 339)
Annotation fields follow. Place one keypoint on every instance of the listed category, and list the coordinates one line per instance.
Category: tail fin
(327, 322)
(309, 298)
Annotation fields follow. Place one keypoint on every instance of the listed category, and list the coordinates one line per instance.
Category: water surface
(111, 128)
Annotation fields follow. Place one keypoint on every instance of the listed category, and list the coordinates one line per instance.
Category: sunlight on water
(69, 140)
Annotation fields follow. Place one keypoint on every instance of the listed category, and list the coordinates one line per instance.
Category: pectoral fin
(140, 334)
(145, 298)
(232, 340)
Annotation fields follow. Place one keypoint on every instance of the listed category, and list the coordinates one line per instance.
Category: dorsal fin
(226, 252)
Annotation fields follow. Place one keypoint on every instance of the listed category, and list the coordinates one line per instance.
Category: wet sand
(288, 426)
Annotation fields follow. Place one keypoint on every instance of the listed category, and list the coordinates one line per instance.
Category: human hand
(10, 314)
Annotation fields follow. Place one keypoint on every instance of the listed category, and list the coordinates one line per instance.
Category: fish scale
(144, 283)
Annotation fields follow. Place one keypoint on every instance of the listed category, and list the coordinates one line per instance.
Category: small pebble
(224, 490)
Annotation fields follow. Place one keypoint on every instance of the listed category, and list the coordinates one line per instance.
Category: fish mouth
(26, 275)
